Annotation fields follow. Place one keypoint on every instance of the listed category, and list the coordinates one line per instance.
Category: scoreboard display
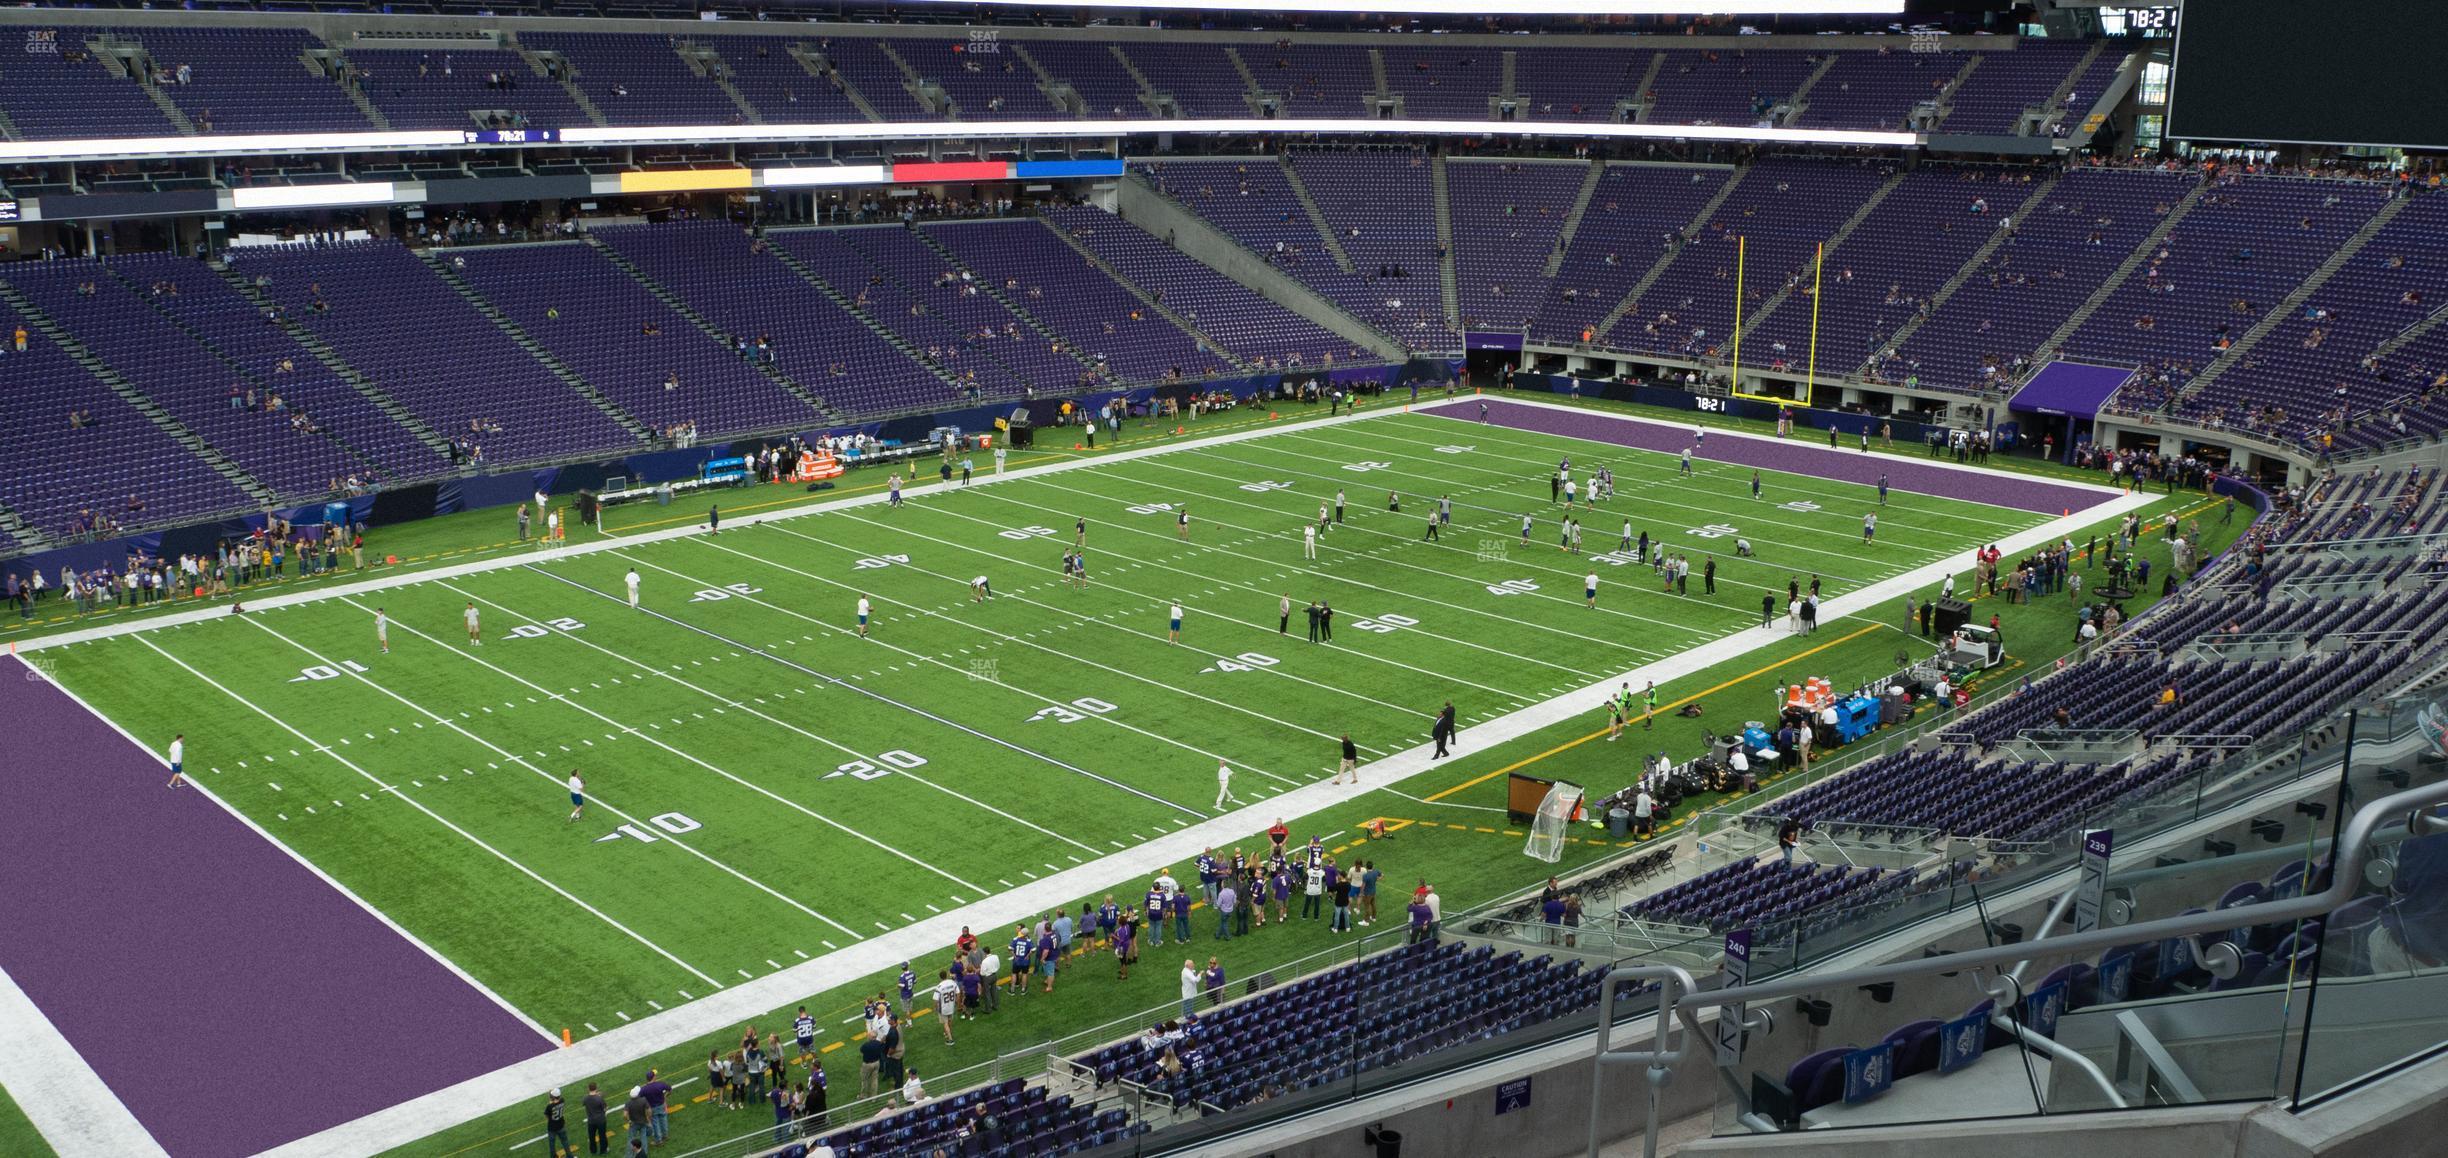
(2340, 72)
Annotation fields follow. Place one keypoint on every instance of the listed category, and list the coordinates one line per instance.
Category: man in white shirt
(1224, 793)
(1189, 987)
(577, 791)
(1740, 763)
(1589, 590)
(1309, 542)
(979, 590)
(382, 630)
(912, 1091)
(632, 581)
(178, 760)
(1644, 809)
(475, 634)
(1000, 451)
(863, 610)
(988, 970)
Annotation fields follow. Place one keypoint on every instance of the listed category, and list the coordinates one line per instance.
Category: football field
(764, 786)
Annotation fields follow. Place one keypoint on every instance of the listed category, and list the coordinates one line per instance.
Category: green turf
(820, 795)
(1470, 854)
(18, 1138)
(806, 789)
(492, 532)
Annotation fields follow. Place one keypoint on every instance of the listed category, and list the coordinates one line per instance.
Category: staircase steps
(535, 349)
(1254, 92)
(1972, 265)
(128, 392)
(1317, 216)
(1572, 219)
(1189, 325)
(2108, 286)
(2295, 300)
(1870, 204)
(855, 310)
(1446, 277)
(322, 352)
(569, 84)
(1800, 97)
(1691, 230)
(237, 370)
(681, 307)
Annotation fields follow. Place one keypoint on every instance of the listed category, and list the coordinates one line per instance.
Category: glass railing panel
(2380, 959)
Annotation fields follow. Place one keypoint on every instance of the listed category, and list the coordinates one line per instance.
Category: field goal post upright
(1810, 380)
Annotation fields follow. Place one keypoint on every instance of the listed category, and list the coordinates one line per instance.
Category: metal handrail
(2354, 848)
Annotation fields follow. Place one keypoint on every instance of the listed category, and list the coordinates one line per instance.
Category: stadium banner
(1483, 340)
(83, 557)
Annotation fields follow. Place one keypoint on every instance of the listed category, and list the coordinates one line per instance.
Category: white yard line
(1290, 537)
(750, 709)
(1022, 641)
(855, 689)
(1646, 494)
(608, 542)
(1419, 632)
(554, 779)
(1646, 621)
(749, 1000)
(1710, 469)
(411, 802)
(1155, 600)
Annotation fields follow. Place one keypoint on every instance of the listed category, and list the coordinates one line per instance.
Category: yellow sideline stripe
(1571, 744)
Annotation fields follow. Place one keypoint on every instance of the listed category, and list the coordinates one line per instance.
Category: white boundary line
(504, 1087)
(1456, 405)
(611, 542)
(66, 1100)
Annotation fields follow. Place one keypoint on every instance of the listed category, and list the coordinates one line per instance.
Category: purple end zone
(231, 998)
(1796, 456)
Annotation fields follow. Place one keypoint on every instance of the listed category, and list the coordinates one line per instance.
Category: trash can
(1389, 1144)
(1619, 822)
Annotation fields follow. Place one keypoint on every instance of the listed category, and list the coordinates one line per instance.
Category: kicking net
(1547, 826)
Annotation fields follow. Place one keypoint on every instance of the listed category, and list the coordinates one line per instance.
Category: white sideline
(68, 1102)
(917, 486)
(65, 1099)
(486, 1093)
